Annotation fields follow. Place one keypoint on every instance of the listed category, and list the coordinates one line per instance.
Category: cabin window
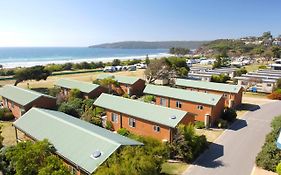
(12, 104)
(114, 117)
(163, 101)
(268, 84)
(225, 95)
(156, 128)
(132, 122)
(200, 107)
(6, 102)
(178, 104)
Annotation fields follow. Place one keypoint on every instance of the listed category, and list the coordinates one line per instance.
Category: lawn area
(211, 134)
(8, 132)
(255, 95)
(88, 77)
(174, 168)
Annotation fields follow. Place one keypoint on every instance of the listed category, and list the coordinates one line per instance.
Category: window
(205, 91)
(178, 104)
(225, 95)
(114, 117)
(132, 122)
(156, 128)
(6, 102)
(268, 85)
(13, 104)
(200, 107)
(163, 101)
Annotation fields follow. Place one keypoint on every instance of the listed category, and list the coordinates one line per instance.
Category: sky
(86, 22)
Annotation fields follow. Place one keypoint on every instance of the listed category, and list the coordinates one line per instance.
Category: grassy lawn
(255, 95)
(8, 132)
(175, 168)
(211, 134)
(88, 77)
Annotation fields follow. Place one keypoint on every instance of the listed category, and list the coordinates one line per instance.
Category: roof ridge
(81, 128)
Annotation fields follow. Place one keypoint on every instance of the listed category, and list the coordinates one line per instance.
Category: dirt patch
(211, 134)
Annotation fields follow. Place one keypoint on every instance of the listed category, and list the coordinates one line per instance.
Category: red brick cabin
(129, 85)
(89, 90)
(232, 94)
(206, 107)
(142, 118)
(20, 100)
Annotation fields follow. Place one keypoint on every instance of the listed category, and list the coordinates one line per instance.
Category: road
(234, 152)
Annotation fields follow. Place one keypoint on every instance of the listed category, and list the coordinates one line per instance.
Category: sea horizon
(11, 57)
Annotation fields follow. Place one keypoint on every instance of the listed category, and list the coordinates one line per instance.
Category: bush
(75, 93)
(199, 124)
(276, 95)
(125, 95)
(54, 91)
(229, 114)
(69, 109)
(222, 78)
(123, 132)
(222, 123)
(262, 67)
(270, 155)
(6, 114)
(109, 125)
(149, 98)
(278, 168)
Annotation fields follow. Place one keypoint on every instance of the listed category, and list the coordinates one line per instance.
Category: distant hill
(151, 45)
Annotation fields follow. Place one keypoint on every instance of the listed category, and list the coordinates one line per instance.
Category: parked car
(109, 69)
(141, 66)
(118, 68)
(132, 68)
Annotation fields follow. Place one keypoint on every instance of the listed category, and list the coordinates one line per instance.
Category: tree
(278, 169)
(278, 84)
(116, 62)
(33, 73)
(276, 51)
(266, 35)
(157, 69)
(179, 51)
(222, 78)
(108, 83)
(1, 137)
(229, 114)
(30, 158)
(75, 93)
(240, 71)
(178, 65)
(147, 61)
(186, 145)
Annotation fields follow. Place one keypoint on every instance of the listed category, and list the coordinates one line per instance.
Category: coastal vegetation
(151, 45)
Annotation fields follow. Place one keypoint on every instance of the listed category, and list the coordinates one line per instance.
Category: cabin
(20, 100)
(81, 145)
(89, 90)
(207, 107)
(232, 94)
(130, 85)
(142, 118)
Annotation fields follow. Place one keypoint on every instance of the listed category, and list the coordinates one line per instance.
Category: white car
(109, 69)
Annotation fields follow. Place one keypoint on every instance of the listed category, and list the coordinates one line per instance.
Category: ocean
(31, 56)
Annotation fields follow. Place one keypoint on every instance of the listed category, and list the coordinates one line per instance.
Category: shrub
(222, 78)
(148, 98)
(276, 95)
(125, 95)
(54, 91)
(75, 93)
(262, 67)
(6, 114)
(109, 125)
(123, 132)
(278, 169)
(229, 114)
(69, 109)
(222, 123)
(199, 124)
(270, 155)
(278, 83)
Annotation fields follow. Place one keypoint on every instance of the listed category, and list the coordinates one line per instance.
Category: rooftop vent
(213, 99)
(173, 117)
(96, 154)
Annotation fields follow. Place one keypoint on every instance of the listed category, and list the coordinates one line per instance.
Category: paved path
(235, 150)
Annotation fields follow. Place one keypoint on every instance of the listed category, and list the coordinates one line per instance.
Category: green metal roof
(146, 111)
(181, 94)
(19, 95)
(120, 79)
(74, 84)
(74, 139)
(209, 85)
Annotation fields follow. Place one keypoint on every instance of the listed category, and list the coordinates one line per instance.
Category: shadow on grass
(41, 90)
(248, 107)
(209, 158)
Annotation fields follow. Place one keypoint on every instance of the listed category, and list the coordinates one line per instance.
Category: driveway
(235, 150)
